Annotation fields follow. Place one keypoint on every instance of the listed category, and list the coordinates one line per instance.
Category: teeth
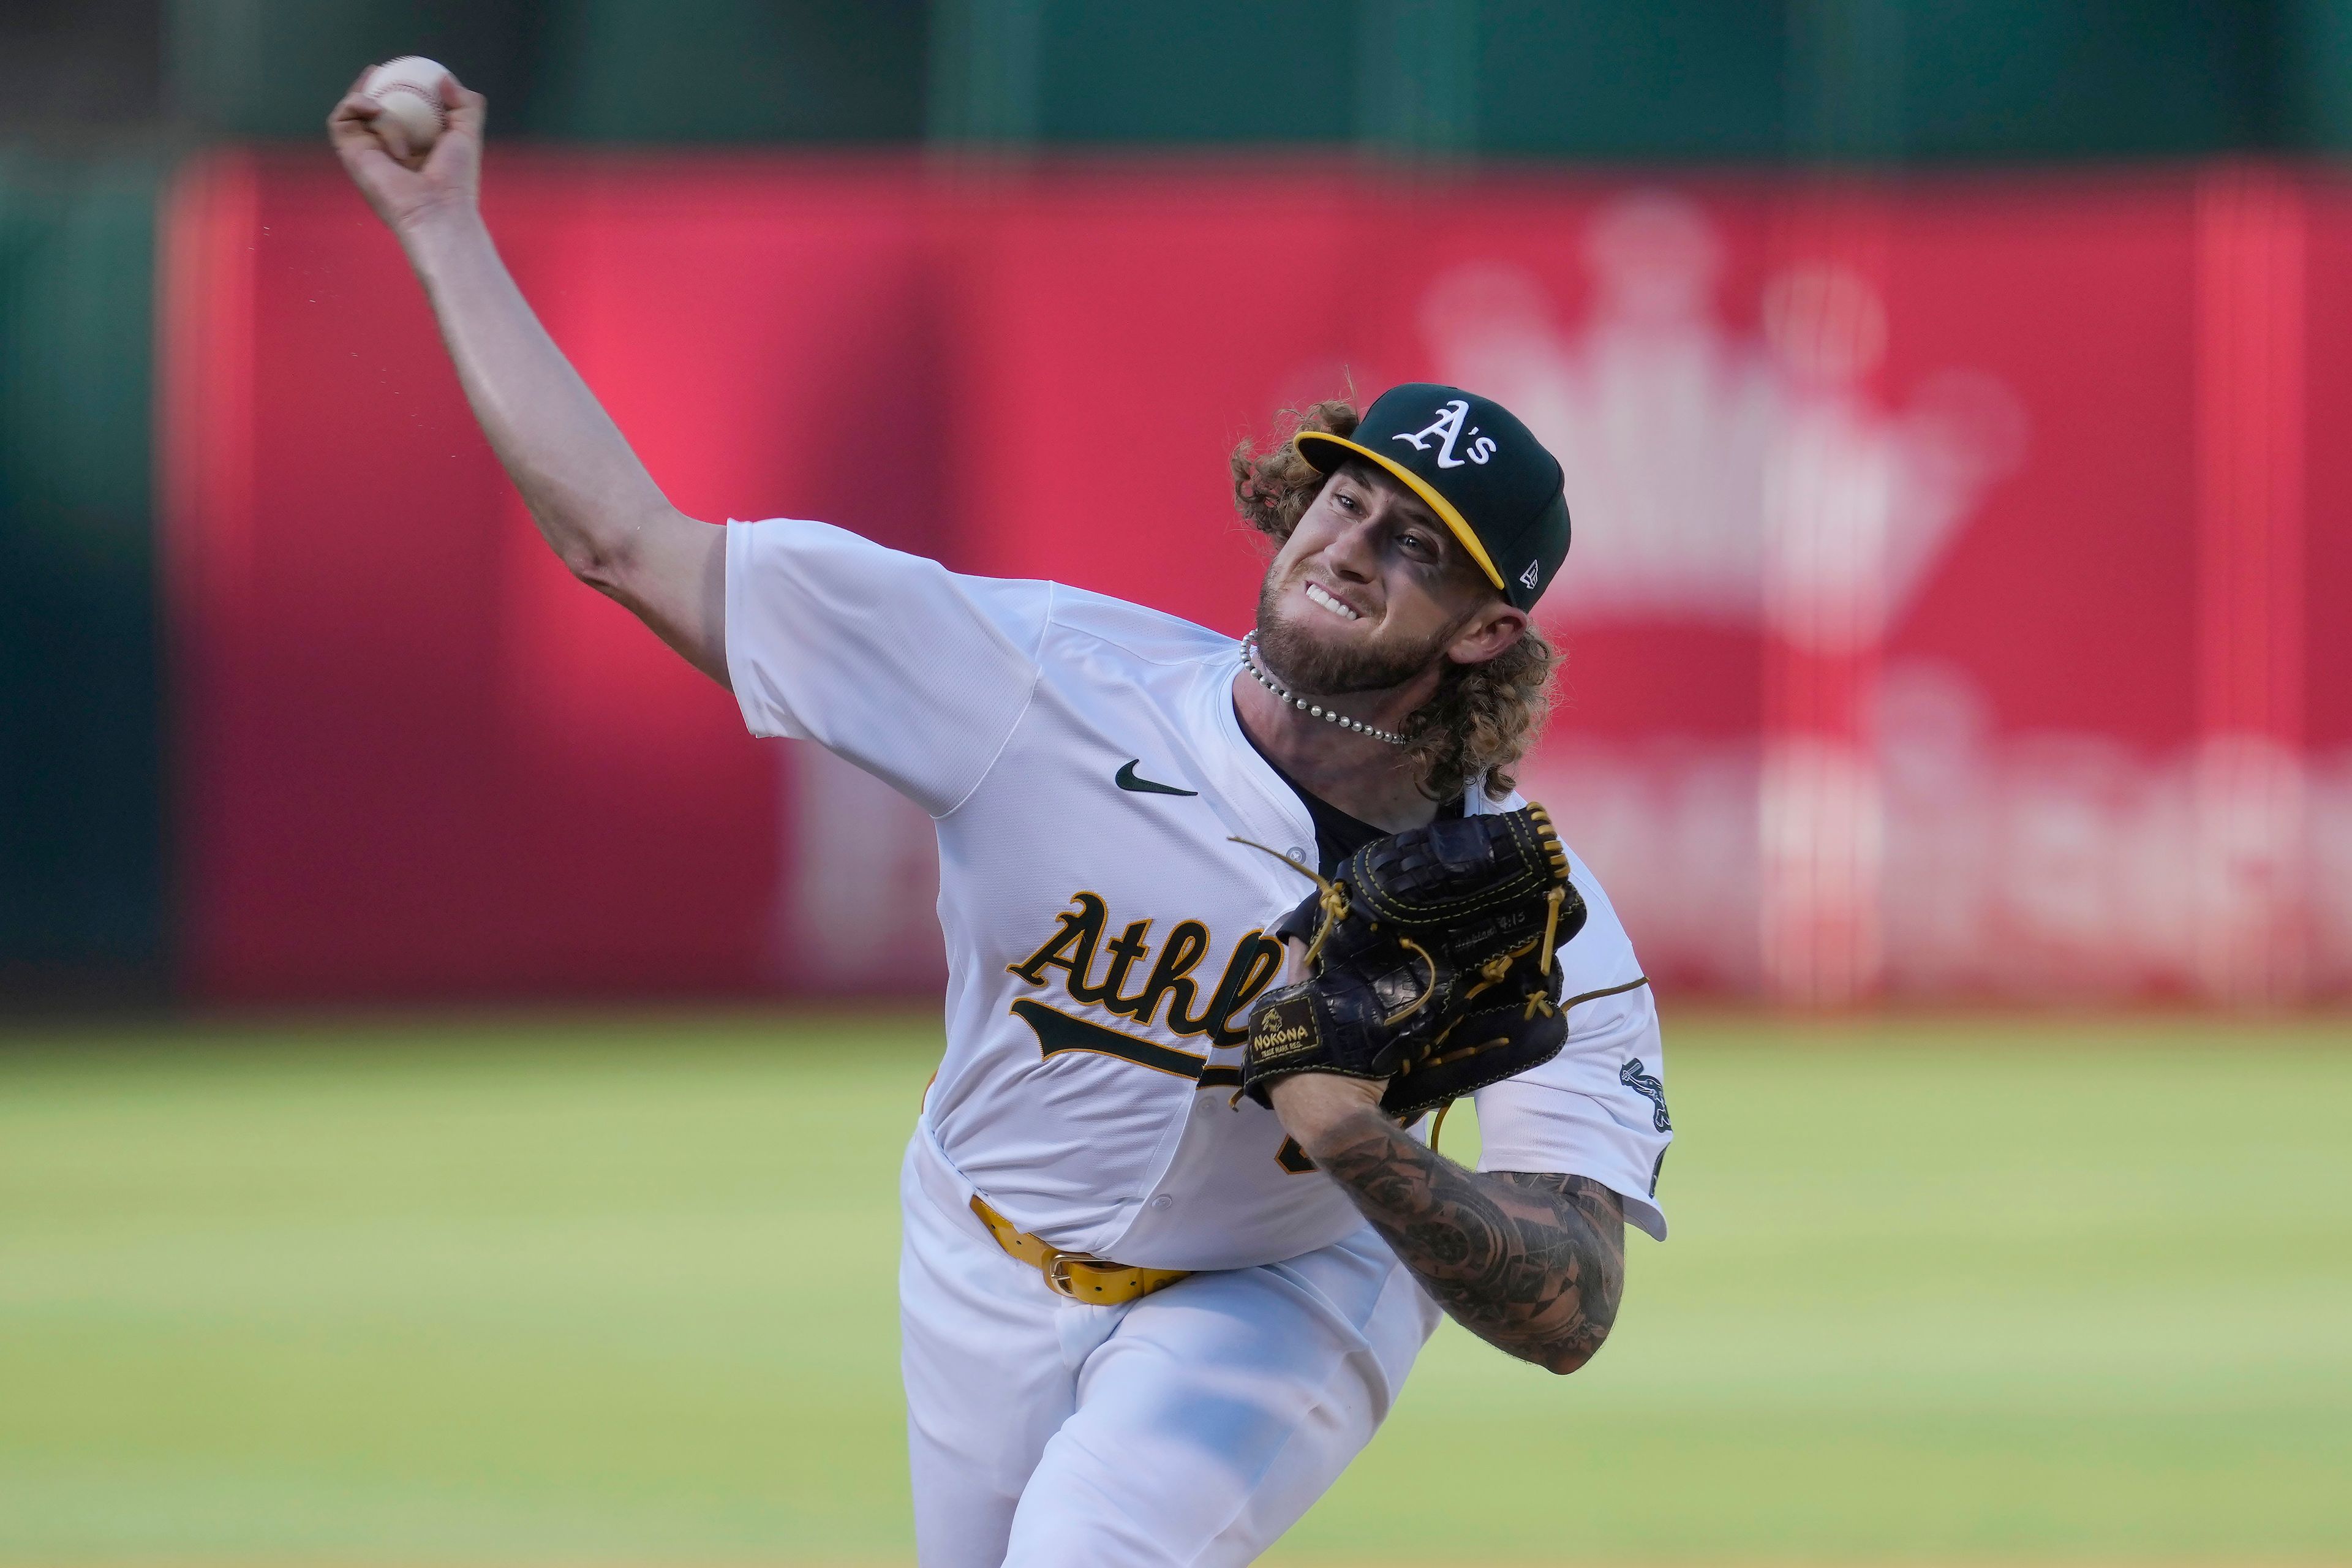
(1316, 592)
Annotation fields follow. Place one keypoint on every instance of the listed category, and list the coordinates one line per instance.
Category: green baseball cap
(1483, 472)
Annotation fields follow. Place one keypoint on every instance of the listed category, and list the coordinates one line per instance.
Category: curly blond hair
(1484, 717)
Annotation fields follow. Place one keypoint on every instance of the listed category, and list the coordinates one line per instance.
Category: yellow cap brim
(1418, 486)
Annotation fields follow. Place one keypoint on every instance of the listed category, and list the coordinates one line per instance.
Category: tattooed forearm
(1532, 1263)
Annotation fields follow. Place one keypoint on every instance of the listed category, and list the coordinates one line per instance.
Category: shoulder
(1599, 1108)
(1148, 636)
(824, 553)
(814, 567)
(1598, 959)
(788, 558)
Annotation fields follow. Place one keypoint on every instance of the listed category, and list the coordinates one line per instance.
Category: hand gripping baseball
(402, 183)
(1431, 963)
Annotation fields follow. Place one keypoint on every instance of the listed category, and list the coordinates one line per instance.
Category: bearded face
(1317, 660)
(1373, 606)
(1368, 592)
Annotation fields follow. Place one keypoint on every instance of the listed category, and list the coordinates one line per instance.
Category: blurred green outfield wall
(81, 858)
(1705, 80)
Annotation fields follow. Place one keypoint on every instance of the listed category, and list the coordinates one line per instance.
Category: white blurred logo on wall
(1891, 839)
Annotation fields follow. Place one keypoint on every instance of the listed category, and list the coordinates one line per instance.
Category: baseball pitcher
(1227, 923)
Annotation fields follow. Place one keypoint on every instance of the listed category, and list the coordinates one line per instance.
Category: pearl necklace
(1249, 662)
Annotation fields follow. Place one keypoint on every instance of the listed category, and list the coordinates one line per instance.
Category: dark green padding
(81, 855)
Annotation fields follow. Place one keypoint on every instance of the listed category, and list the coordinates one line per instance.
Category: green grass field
(615, 1292)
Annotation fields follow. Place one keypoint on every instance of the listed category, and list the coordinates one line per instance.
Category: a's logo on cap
(1446, 429)
(1527, 577)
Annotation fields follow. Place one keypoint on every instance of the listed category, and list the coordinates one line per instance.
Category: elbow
(1560, 1359)
(598, 544)
(1581, 1339)
(615, 550)
(603, 567)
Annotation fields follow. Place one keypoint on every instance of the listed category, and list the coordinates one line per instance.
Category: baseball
(408, 90)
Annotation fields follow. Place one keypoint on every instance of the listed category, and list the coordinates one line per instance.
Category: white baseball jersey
(1105, 937)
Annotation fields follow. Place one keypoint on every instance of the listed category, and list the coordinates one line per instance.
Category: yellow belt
(1075, 1274)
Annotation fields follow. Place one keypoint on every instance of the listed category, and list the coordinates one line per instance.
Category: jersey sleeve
(914, 673)
(1599, 1108)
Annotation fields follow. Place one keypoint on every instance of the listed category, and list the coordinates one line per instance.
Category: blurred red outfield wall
(1952, 611)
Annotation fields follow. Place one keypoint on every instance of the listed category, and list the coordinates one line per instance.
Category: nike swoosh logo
(1126, 779)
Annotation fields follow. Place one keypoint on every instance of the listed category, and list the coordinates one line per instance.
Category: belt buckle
(1057, 1273)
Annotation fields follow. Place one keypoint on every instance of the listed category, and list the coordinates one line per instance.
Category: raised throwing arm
(1534, 1264)
(592, 498)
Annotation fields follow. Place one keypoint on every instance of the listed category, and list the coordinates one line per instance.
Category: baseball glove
(1430, 962)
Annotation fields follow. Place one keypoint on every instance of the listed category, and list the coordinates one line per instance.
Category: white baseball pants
(1192, 1426)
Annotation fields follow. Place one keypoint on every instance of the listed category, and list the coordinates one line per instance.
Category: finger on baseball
(351, 113)
(388, 130)
(355, 141)
(467, 110)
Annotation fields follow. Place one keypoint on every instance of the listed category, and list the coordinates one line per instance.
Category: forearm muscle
(1534, 1264)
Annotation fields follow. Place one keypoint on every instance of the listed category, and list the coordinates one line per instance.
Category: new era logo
(1527, 577)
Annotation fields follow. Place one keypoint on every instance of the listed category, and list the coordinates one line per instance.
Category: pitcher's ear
(1492, 631)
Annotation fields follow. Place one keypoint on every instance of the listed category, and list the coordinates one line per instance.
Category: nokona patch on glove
(1280, 1031)
(1431, 953)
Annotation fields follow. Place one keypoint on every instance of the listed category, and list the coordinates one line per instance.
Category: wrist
(1321, 1111)
(432, 228)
